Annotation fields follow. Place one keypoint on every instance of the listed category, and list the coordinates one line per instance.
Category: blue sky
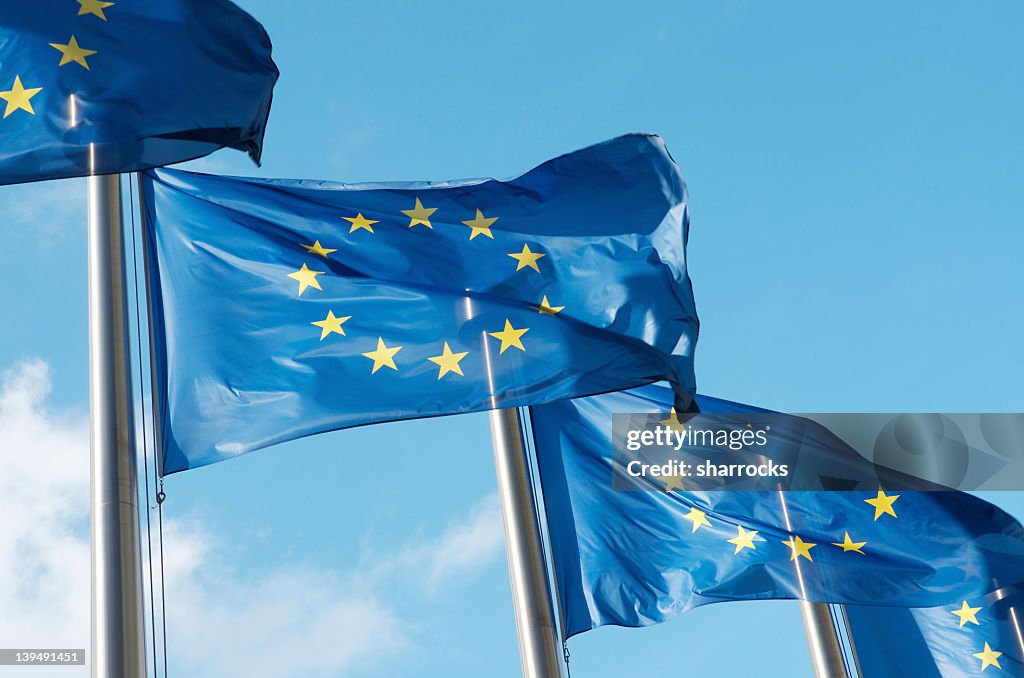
(856, 239)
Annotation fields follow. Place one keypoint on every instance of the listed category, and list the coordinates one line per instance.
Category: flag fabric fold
(286, 308)
(634, 558)
(91, 87)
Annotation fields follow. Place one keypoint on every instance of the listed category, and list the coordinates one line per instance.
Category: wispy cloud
(53, 210)
(277, 621)
(285, 622)
(469, 544)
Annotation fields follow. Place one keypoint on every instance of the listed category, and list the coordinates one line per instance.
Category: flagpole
(823, 641)
(118, 636)
(539, 643)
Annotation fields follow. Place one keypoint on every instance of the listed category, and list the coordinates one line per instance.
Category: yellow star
(419, 214)
(359, 221)
(72, 52)
(698, 518)
(988, 657)
(330, 324)
(306, 278)
(743, 540)
(673, 421)
(546, 308)
(448, 361)
(383, 356)
(883, 503)
(17, 97)
(481, 225)
(95, 7)
(510, 337)
(799, 548)
(317, 248)
(672, 483)
(850, 545)
(967, 614)
(527, 258)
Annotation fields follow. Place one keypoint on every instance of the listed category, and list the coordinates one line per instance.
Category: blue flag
(980, 636)
(285, 308)
(99, 87)
(634, 558)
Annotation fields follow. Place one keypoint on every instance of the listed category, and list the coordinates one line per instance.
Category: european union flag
(100, 87)
(972, 637)
(285, 308)
(634, 558)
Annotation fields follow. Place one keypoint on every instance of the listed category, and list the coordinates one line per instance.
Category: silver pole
(826, 653)
(539, 644)
(118, 637)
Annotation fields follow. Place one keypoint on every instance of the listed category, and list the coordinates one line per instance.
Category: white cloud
(467, 545)
(307, 622)
(286, 622)
(44, 541)
(280, 622)
(53, 210)
(470, 543)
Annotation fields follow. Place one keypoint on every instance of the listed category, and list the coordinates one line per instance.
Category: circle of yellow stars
(882, 503)
(419, 214)
(19, 97)
(72, 53)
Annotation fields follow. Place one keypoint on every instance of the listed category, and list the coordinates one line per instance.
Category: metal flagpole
(826, 652)
(118, 640)
(822, 640)
(539, 641)
(539, 646)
